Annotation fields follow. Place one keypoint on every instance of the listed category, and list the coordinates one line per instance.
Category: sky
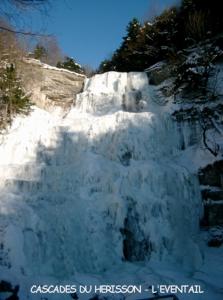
(90, 30)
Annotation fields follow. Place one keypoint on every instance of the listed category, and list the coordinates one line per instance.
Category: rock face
(210, 178)
(212, 175)
(49, 86)
(158, 73)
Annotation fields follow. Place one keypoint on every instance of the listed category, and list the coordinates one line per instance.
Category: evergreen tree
(105, 66)
(40, 52)
(125, 58)
(12, 97)
(174, 29)
(133, 29)
(70, 64)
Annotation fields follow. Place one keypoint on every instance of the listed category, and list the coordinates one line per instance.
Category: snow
(46, 66)
(156, 66)
(72, 184)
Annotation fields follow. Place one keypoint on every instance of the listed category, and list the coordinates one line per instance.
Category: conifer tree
(12, 98)
(70, 64)
(40, 52)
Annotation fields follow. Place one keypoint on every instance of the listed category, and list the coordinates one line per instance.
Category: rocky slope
(49, 87)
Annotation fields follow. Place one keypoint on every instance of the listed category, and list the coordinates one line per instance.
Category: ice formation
(100, 186)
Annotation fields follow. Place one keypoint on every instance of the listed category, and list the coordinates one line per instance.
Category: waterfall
(98, 188)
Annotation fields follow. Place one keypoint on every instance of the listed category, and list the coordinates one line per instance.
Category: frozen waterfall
(98, 187)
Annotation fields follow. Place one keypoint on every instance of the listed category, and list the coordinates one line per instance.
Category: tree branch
(213, 152)
(25, 3)
(23, 32)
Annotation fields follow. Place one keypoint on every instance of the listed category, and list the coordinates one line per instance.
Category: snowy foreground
(82, 193)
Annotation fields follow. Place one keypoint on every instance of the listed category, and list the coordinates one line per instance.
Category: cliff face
(49, 87)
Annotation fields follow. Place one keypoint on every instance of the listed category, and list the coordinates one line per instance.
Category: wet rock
(136, 246)
(125, 158)
(212, 175)
(212, 194)
(213, 214)
(7, 288)
(215, 243)
(74, 296)
(215, 236)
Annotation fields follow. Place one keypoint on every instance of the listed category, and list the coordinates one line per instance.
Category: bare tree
(197, 25)
(88, 70)
(23, 4)
(12, 96)
(11, 10)
(9, 45)
(206, 123)
(53, 51)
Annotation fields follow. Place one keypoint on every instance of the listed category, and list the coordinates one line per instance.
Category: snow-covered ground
(80, 193)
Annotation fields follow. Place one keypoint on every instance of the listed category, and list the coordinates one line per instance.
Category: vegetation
(176, 28)
(11, 8)
(175, 36)
(70, 64)
(194, 70)
(40, 52)
(12, 97)
(47, 50)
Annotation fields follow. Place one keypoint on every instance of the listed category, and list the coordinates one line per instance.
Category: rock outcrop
(159, 72)
(48, 86)
(211, 180)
